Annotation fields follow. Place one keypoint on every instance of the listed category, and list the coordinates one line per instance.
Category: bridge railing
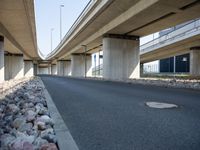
(97, 70)
(186, 30)
(41, 54)
(76, 23)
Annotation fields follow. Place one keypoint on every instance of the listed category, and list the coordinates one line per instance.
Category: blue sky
(48, 16)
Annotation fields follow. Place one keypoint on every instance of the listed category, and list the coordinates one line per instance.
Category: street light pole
(61, 21)
(52, 39)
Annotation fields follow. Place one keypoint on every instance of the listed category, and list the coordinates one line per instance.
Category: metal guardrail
(97, 70)
(189, 28)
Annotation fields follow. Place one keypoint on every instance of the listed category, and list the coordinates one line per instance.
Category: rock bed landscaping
(25, 123)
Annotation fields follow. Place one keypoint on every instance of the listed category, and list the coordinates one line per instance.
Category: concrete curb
(64, 138)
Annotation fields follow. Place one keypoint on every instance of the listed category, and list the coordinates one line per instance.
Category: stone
(47, 131)
(41, 125)
(18, 122)
(12, 108)
(49, 137)
(46, 119)
(6, 139)
(22, 145)
(49, 146)
(25, 122)
(30, 115)
(25, 127)
(39, 142)
(24, 137)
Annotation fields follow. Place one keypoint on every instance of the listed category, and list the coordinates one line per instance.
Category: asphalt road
(113, 116)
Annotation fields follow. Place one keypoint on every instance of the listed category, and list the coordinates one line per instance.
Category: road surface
(104, 115)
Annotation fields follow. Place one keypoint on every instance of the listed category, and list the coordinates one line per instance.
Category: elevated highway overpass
(18, 46)
(177, 42)
(116, 27)
(113, 25)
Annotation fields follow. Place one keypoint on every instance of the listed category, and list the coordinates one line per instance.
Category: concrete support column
(67, 68)
(121, 58)
(35, 69)
(14, 66)
(2, 67)
(78, 65)
(141, 69)
(28, 68)
(195, 61)
(54, 69)
(60, 67)
(49, 69)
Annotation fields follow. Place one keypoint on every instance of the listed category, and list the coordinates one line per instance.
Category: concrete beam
(121, 58)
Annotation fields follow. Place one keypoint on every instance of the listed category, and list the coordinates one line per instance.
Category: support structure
(2, 67)
(67, 68)
(195, 61)
(35, 68)
(60, 67)
(54, 69)
(28, 68)
(14, 66)
(49, 69)
(121, 59)
(141, 69)
(81, 65)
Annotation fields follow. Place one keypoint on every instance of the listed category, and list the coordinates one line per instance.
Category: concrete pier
(60, 67)
(54, 69)
(81, 65)
(195, 61)
(14, 66)
(2, 68)
(49, 69)
(67, 68)
(28, 68)
(121, 58)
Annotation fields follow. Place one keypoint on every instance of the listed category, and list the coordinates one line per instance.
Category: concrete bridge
(180, 41)
(112, 25)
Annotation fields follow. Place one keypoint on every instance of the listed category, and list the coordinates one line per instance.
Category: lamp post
(52, 39)
(61, 21)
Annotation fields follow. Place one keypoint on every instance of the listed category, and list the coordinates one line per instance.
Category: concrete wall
(78, 65)
(195, 62)
(14, 67)
(121, 59)
(28, 68)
